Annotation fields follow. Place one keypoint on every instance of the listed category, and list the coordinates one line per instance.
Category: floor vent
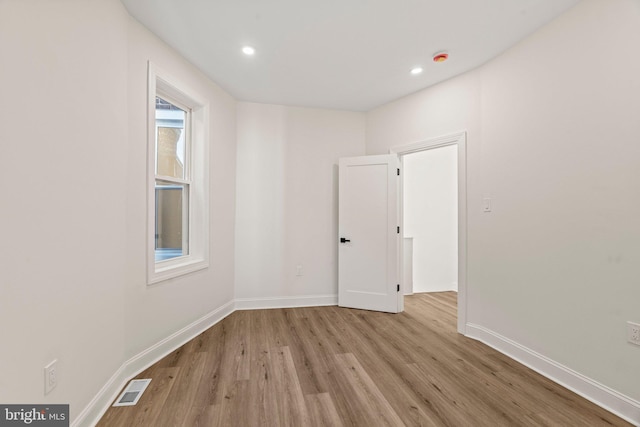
(132, 393)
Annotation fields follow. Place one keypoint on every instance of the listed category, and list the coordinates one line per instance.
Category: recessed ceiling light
(416, 70)
(248, 50)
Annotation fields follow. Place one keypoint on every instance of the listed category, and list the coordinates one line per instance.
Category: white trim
(601, 395)
(286, 302)
(163, 83)
(92, 413)
(459, 139)
(148, 357)
(138, 363)
(428, 144)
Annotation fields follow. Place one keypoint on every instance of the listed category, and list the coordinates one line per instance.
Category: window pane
(171, 225)
(170, 139)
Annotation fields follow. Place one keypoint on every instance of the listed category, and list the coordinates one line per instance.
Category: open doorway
(430, 209)
(448, 275)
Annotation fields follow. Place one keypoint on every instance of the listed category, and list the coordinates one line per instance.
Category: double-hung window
(177, 179)
(172, 179)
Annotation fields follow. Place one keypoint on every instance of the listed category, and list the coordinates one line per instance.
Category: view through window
(172, 182)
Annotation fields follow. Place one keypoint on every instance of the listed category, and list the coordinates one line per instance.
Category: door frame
(459, 139)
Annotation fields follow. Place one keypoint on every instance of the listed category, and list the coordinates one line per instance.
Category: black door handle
(343, 240)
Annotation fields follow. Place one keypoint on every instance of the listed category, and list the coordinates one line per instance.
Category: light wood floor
(331, 366)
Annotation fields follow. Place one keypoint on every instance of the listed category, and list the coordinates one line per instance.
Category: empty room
(224, 198)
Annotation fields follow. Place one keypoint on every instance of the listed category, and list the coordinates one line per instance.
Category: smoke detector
(440, 56)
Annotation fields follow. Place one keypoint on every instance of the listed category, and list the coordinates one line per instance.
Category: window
(172, 180)
(178, 175)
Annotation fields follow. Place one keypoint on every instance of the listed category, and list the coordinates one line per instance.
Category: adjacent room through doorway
(430, 207)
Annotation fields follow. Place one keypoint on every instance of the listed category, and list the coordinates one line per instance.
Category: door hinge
(398, 288)
(398, 229)
(398, 171)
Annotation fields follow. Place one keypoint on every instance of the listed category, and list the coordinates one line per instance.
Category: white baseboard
(132, 367)
(445, 287)
(601, 395)
(286, 302)
(92, 413)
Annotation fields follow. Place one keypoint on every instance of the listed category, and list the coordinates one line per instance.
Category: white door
(368, 258)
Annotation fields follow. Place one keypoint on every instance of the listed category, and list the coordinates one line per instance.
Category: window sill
(175, 267)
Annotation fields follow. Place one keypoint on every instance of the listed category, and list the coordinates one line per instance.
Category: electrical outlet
(299, 270)
(633, 333)
(486, 204)
(50, 376)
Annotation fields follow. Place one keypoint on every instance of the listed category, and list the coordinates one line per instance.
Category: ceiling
(339, 54)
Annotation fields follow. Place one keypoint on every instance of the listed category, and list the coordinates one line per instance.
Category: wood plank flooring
(331, 366)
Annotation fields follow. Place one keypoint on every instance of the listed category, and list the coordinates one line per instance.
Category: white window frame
(161, 84)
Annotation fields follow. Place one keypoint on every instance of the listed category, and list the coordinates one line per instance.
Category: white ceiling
(339, 54)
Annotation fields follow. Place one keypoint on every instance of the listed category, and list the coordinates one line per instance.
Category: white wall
(63, 115)
(552, 138)
(287, 198)
(155, 312)
(73, 183)
(430, 187)
(553, 128)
